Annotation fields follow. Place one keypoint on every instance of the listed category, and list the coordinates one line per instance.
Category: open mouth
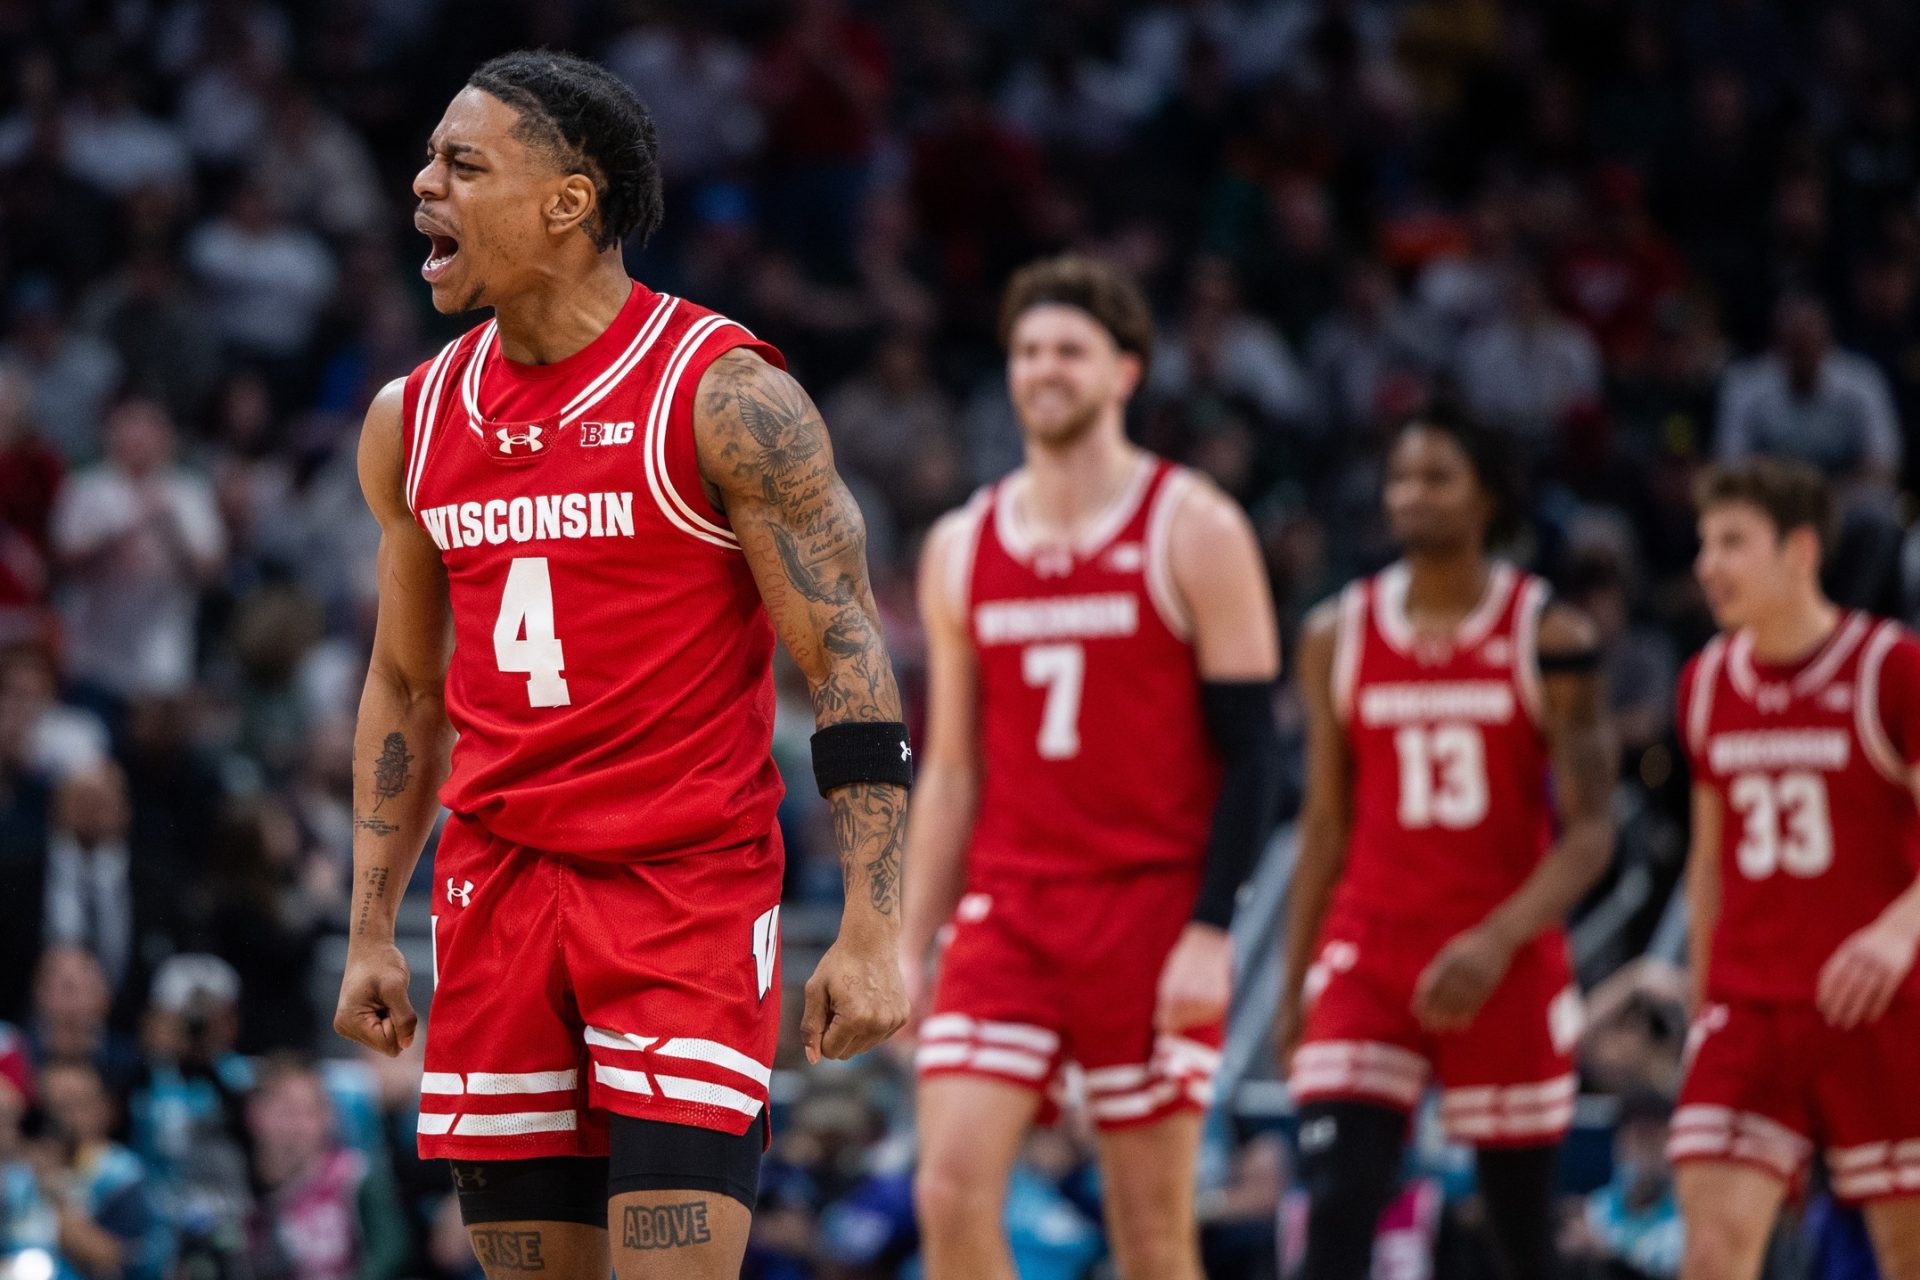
(445, 249)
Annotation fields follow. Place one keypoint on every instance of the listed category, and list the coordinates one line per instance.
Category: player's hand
(855, 999)
(1458, 980)
(1196, 982)
(1862, 977)
(917, 984)
(374, 1009)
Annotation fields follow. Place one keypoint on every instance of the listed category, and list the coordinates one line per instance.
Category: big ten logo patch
(599, 435)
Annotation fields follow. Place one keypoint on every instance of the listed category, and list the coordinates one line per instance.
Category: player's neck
(1442, 590)
(1784, 636)
(1068, 487)
(559, 317)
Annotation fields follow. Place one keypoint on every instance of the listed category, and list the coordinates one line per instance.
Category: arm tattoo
(763, 446)
(378, 826)
(390, 776)
(508, 1250)
(666, 1226)
(376, 888)
(869, 821)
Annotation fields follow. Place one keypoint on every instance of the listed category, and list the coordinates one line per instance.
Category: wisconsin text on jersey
(530, 519)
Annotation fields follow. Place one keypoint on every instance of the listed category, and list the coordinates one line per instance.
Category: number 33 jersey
(1450, 801)
(1808, 764)
(611, 681)
(1095, 750)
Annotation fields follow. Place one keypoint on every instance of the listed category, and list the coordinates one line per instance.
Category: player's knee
(951, 1199)
(1721, 1246)
(1896, 1239)
(1150, 1244)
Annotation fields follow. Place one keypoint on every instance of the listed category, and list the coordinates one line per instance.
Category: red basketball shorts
(1506, 1079)
(566, 989)
(1765, 1080)
(1051, 984)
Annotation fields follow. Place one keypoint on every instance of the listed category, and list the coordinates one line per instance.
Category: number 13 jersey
(611, 681)
(1808, 763)
(1096, 755)
(1450, 801)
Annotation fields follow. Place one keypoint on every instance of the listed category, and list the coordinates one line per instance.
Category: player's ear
(1131, 369)
(572, 205)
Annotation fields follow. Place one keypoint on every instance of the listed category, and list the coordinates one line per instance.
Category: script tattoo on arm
(766, 454)
(376, 889)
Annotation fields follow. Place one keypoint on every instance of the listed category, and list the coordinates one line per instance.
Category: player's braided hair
(1492, 459)
(587, 121)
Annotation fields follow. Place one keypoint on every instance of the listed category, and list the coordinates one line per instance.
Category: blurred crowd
(1632, 234)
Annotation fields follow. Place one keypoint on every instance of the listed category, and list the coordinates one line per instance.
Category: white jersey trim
(958, 567)
(1866, 706)
(1349, 634)
(1397, 629)
(678, 511)
(1526, 648)
(426, 406)
(1161, 589)
(1700, 699)
(1838, 648)
(1018, 540)
(595, 391)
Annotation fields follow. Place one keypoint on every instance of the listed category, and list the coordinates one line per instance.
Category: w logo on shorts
(766, 948)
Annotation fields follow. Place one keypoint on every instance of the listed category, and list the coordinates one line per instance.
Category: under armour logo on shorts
(527, 440)
(462, 895)
(1318, 1135)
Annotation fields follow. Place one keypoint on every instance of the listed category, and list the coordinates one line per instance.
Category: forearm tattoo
(390, 772)
(376, 889)
(870, 826)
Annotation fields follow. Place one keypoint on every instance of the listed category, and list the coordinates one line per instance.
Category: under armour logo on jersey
(1051, 562)
(462, 895)
(1126, 557)
(1497, 652)
(1772, 697)
(1838, 697)
(527, 440)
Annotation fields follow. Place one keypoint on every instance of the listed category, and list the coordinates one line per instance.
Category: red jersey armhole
(673, 458)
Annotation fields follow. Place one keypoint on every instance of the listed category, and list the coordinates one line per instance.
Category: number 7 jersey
(1809, 765)
(1095, 751)
(611, 681)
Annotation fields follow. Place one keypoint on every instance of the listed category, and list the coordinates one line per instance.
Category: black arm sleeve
(1239, 718)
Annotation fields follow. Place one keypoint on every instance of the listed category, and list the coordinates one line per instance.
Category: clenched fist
(855, 999)
(374, 1009)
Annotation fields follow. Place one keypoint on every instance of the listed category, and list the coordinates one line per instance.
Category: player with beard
(1101, 772)
(598, 509)
(1450, 704)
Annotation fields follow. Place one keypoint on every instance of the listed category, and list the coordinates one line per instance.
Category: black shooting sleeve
(1239, 716)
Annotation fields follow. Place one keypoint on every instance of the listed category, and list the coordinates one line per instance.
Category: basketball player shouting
(597, 511)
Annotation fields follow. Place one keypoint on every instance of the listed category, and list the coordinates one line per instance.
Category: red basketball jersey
(611, 681)
(1451, 811)
(1095, 750)
(1818, 827)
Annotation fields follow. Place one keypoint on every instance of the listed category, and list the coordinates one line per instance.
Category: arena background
(1633, 236)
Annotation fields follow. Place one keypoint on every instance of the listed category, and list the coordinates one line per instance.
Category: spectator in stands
(137, 538)
(1373, 340)
(1636, 1028)
(112, 144)
(1630, 1229)
(266, 279)
(73, 374)
(1807, 399)
(318, 165)
(1526, 371)
(97, 892)
(324, 1212)
(27, 1221)
(111, 1227)
(698, 86)
(1218, 349)
(69, 1023)
(30, 476)
(894, 427)
(264, 918)
(165, 337)
(61, 738)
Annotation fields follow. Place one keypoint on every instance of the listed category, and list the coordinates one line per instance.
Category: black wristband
(1569, 662)
(862, 751)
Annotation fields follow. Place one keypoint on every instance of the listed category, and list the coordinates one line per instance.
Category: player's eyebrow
(453, 148)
